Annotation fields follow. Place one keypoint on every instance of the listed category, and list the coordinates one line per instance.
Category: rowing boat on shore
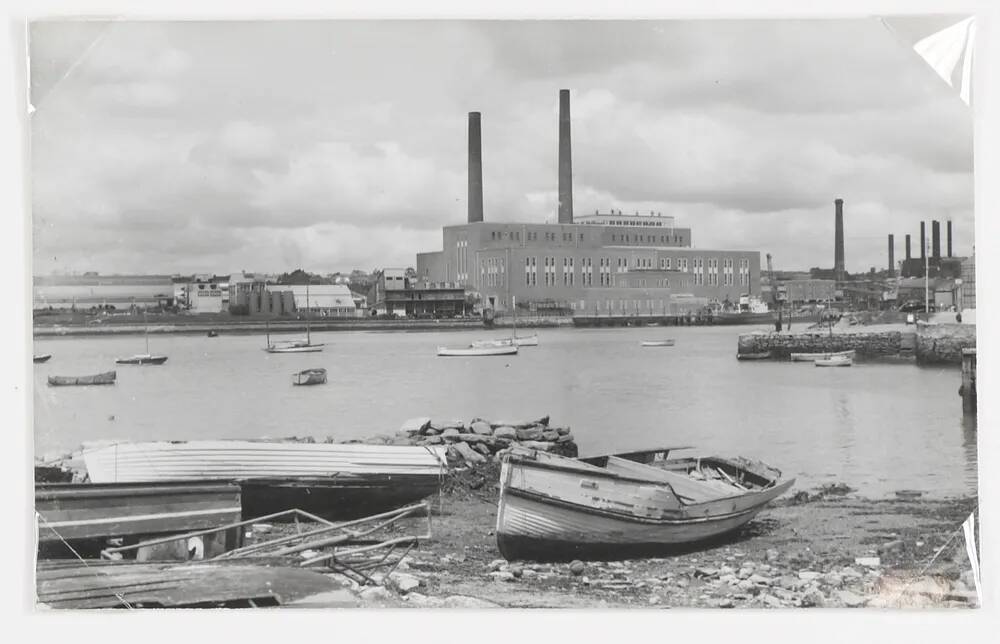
(811, 357)
(44, 357)
(106, 378)
(762, 355)
(469, 351)
(556, 508)
(835, 361)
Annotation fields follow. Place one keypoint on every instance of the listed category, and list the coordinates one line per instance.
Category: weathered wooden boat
(658, 343)
(197, 584)
(309, 377)
(213, 333)
(504, 350)
(142, 358)
(243, 460)
(555, 508)
(811, 357)
(43, 357)
(342, 496)
(70, 511)
(760, 355)
(106, 378)
(835, 361)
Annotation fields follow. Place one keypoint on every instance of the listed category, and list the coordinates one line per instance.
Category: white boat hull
(478, 351)
(812, 357)
(658, 343)
(311, 348)
(834, 362)
(235, 460)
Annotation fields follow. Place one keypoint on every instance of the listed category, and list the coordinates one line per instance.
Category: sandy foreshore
(822, 551)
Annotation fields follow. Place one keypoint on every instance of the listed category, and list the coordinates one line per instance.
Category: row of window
(515, 235)
(648, 239)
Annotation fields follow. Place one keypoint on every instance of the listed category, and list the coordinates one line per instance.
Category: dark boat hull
(347, 497)
(80, 381)
(152, 360)
(41, 358)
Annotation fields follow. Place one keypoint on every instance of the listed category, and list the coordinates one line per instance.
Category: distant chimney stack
(565, 161)
(475, 169)
(949, 238)
(923, 241)
(936, 239)
(838, 240)
(892, 255)
(907, 247)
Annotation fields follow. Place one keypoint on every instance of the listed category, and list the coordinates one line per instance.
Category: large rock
(433, 440)
(472, 438)
(541, 446)
(451, 434)
(415, 425)
(482, 449)
(562, 430)
(468, 454)
(481, 427)
(529, 433)
(550, 435)
(544, 421)
(403, 582)
(505, 432)
(442, 425)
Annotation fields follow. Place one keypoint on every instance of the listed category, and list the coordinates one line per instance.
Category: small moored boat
(106, 378)
(142, 358)
(469, 351)
(810, 357)
(43, 357)
(309, 377)
(658, 343)
(555, 508)
(836, 361)
(519, 341)
(213, 333)
(761, 355)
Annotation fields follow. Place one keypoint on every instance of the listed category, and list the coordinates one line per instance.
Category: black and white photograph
(611, 313)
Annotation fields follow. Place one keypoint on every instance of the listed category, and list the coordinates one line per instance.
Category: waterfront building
(91, 290)
(968, 283)
(204, 293)
(324, 300)
(393, 293)
(608, 263)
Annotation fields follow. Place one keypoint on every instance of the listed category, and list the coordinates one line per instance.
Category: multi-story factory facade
(614, 263)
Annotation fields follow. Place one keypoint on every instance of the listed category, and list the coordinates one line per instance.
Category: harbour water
(875, 426)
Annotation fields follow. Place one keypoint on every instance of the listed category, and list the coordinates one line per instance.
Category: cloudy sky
(265, 146)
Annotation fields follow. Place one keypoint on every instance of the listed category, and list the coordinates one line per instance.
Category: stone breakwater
(782, 345)
(929, 343)
(943, 343)
(480, 441)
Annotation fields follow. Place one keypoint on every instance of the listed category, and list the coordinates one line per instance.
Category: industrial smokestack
(892, 255)
(949, 238)
(838, 241)
(935, 239)
(565, 161)
(923, 241)
(475, 169)
(908, 247)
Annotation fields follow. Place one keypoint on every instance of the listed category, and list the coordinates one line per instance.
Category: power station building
(605, 263)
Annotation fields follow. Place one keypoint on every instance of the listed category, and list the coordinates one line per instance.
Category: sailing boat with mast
(514, 340)
(143, 358)
(294, 346)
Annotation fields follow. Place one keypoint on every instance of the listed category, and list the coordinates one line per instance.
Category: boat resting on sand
(106, 378)
(142, 358)
(658, 343)
(309, 377)
(811, 357)
(504, 350)
(44, 357)
(761, 355)
(836, 361)
(554, 508)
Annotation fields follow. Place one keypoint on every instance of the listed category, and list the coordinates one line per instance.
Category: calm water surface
(877, 427)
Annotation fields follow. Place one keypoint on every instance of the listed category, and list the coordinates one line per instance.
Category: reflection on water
(877, 427)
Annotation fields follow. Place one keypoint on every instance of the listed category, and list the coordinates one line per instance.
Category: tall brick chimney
(907, 246)
(892, 255)
(475, 168)
(949, 238)
(565, 161)
(935, 239)
(923, 241)
(838, 240)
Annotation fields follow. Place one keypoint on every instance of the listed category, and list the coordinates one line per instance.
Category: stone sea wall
(943, 343)
(781, 345)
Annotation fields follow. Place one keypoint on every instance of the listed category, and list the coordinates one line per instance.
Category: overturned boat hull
(107, 378)
(142, 360)
(309, 377)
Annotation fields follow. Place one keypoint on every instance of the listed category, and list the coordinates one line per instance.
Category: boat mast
(267, 332)
(513, 328)
(146, 325)
(308, 339)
